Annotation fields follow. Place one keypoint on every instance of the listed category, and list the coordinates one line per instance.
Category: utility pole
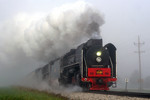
(139, 54)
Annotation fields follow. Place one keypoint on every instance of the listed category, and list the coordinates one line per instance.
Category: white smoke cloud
(47, 37)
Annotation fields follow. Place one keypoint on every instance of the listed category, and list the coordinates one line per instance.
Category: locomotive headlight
(98, 59)
(98, 53)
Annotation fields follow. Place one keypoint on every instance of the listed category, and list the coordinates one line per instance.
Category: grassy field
(26, 94)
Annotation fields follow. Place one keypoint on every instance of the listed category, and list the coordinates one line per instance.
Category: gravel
(93, 96)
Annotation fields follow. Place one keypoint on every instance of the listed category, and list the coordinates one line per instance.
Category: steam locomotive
(91, 66)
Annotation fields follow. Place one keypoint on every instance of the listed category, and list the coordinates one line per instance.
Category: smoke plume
(52, 35)
(44, 37)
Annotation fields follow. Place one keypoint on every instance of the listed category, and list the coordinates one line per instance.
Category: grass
(27, 94)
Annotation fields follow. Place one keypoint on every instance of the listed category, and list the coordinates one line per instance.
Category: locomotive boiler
(91, 66)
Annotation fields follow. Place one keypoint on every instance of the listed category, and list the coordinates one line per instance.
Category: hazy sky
(124, 21)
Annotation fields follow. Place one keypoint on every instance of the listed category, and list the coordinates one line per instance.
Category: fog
(33, 33)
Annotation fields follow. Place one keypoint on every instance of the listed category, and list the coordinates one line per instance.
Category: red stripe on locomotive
(99, 72)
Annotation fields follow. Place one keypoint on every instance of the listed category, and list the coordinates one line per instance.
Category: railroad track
(123, 93)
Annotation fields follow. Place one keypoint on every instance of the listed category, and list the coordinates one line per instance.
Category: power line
(139, 44)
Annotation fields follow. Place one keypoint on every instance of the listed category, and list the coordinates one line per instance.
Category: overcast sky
(124, 21)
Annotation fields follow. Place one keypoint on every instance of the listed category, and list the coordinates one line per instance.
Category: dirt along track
(96, 96)
(100, 96)
(107, 95)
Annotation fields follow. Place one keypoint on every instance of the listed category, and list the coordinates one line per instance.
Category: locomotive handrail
(81, 63)
(85, 65)
(71, 65)
(111, 65)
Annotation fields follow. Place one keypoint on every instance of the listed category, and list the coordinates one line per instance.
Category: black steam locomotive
(91, 66)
